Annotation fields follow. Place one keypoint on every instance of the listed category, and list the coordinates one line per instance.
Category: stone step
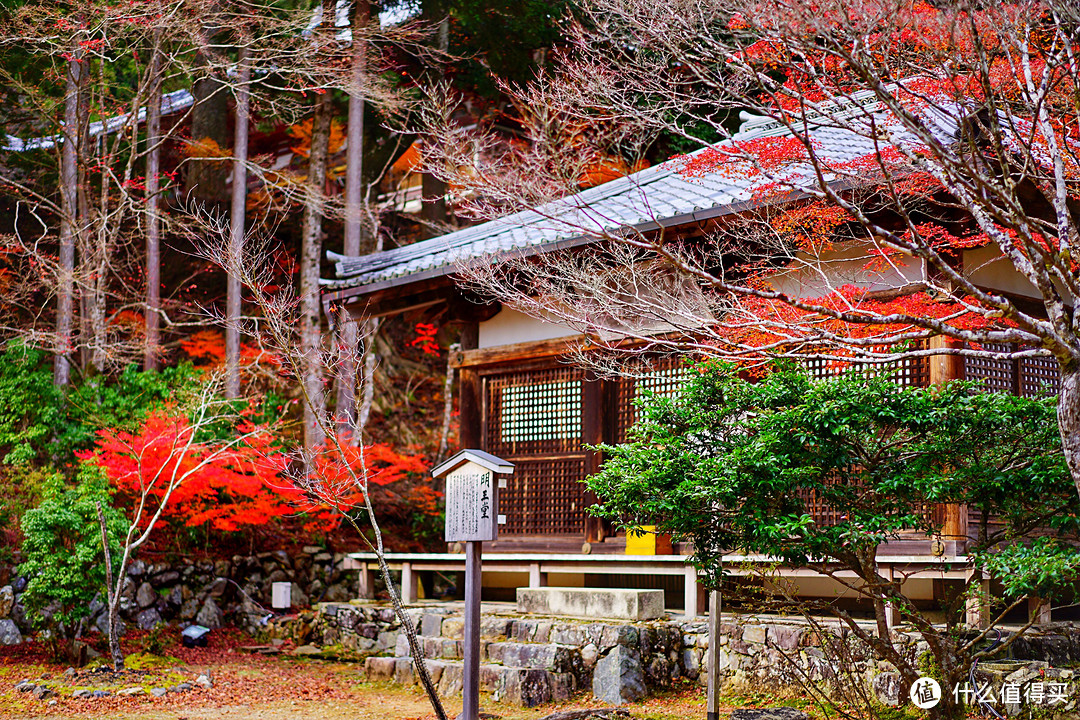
(523, 686)
(544, 656)
(619, 603)
(528, 630)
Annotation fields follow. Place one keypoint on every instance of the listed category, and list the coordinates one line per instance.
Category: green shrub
(31, 407)
(40, 424)
(64, 558)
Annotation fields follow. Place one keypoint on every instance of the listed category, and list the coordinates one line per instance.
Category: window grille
(1027, 377)
(533, 418)
(537, 411)
(1039, 376)
(908, 371)
(827, 514)
(995, 375)
(544, 497)
(544, 411)
(664, 380)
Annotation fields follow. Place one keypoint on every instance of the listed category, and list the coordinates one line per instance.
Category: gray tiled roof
(170, 103)
(643, 200)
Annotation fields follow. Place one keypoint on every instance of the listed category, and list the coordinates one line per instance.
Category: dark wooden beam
(592, 433)
(470, 432)
(518, 352)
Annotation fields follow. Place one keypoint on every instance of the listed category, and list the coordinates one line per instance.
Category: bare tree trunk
(310, 326)
(432, 189)
(69, 189)
(208, 124)
(448, 404)
(236, 227)
(153, 220)
(354, 180)
(112, 593)
(95, 272)
(1068, 414)
(371, 329)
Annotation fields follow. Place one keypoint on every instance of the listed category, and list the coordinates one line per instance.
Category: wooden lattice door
(534, 418)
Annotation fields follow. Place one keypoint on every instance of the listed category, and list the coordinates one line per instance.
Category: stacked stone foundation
(536, 660)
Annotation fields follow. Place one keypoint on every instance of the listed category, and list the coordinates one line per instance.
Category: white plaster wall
(823, 587)
(846, 265)
(986, 267)
(510, 326)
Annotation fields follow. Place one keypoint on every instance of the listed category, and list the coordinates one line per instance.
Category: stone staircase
(533, 661)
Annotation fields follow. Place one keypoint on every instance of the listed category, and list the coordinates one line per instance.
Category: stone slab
(777, 713)
(624, 604)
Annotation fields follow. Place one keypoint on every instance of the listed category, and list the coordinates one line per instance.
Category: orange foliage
(337, 474)
(228, 487)
(810, 226)
(245, 485)
(207, 348)
(608, 168)
(777, 322)
(206, 149)
(302, 132)
(425, 339)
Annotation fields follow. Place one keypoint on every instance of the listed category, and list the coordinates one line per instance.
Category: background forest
(140, 140)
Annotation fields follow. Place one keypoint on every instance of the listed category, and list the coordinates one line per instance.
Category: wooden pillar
(408, 584)
(470, 402)
(977, 605)
(690, 604)
(944, 368)
(367, 582)
(955, 529)
(1039, 611)
(712, 699)
(592, 433)
(470, 690)
(892, 613)
(536, 578)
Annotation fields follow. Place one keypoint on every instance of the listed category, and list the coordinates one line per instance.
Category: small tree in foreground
(729, 463)
(65, 560)
(203, 446)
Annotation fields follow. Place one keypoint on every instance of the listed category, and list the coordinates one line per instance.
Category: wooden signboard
(471, 504)
(472, 517)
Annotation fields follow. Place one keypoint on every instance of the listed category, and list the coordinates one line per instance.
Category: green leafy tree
(728, 463)
(40, 424)
(64, 556)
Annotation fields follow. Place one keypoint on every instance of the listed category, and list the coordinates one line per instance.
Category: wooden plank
(470, 422)
(514, 353)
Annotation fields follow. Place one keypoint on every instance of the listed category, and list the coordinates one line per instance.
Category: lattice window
(995, 375)
(1027, 377)
(826, 514)
(533, 418)
(662, 381)
(1039, 376)
(535, 411)
(544, 497)
(544, 411)
(908, 371)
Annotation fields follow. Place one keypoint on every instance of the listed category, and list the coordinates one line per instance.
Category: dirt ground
(249, 686)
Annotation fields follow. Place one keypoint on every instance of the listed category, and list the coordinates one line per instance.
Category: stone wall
(530, 660)
(211, 593)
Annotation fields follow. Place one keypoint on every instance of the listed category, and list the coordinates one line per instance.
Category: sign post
(472, 517)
